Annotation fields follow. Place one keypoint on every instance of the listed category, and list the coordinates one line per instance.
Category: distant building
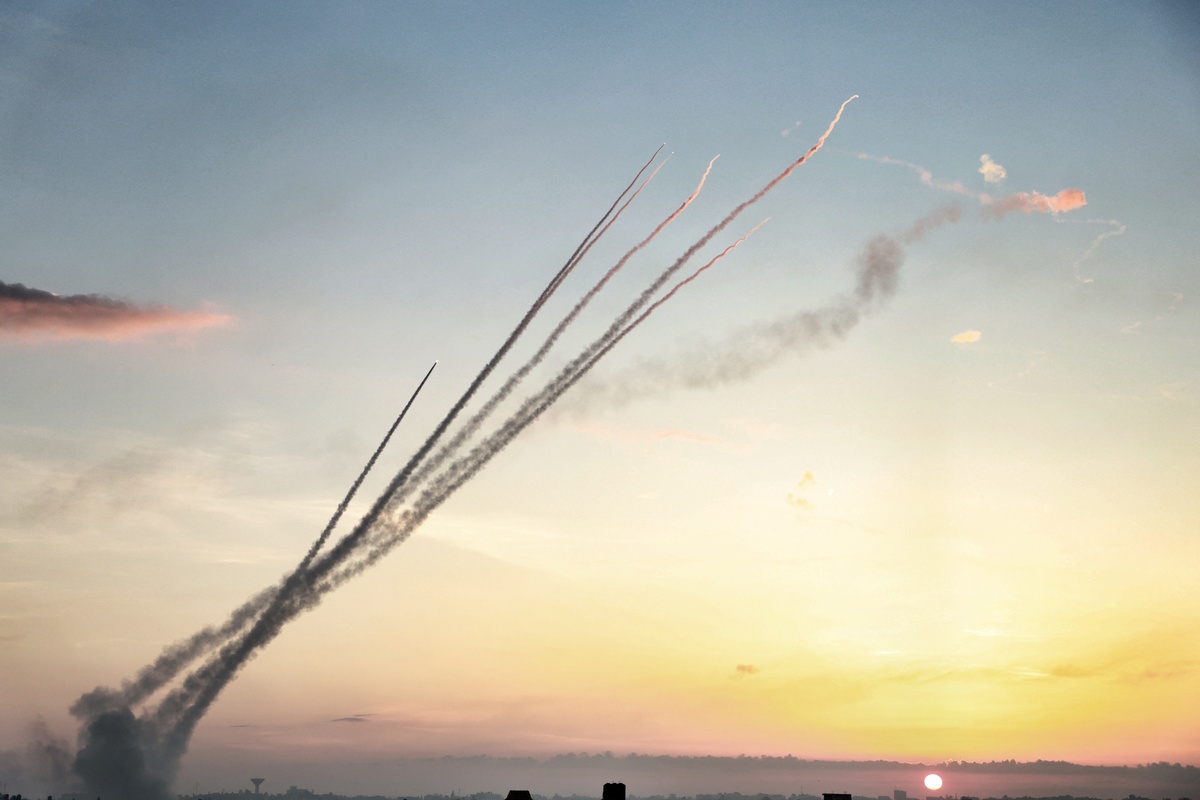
(835, 796)
(519, 794)
(614, 791)
(899, 794)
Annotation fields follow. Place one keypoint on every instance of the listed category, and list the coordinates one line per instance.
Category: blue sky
(359, 189)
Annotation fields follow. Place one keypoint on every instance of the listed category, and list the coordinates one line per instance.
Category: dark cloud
(31, 315)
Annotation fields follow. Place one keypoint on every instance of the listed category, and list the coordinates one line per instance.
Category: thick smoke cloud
(36, 315)
(119, 758)
(753, 349)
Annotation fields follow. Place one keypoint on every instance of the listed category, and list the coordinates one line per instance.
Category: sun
(933, 781)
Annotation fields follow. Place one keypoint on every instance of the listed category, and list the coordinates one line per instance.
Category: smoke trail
(537, 404)
(459, 473)
(175, 658)
(955, 187)
(182, 708)
(533, 407)
(753, 349)
(667, 274)
(1118, 229)
(341, 509)
(476, 421)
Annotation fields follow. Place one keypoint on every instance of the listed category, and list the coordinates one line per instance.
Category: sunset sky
(235, 235)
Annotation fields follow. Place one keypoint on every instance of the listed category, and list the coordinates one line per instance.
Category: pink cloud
(36, 315)
(1028, 202)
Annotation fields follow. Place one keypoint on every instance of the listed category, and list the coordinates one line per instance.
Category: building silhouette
(614, 791)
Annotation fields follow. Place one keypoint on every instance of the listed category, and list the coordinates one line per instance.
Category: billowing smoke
(136, 755)
(119, 757)
(36, 315)
(751, 350)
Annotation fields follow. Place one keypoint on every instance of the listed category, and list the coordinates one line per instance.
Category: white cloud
(991, 171)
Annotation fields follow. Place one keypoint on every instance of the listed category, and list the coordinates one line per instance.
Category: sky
(950, 514)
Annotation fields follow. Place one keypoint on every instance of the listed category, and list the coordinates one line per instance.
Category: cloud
(36, 315)
(1066, 200)
(1028, 202)
(745, 669)
(991, 171)
(355, 718)
(966, 337)
(795, 500)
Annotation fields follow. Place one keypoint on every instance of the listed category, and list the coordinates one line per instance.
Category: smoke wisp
(753, 349)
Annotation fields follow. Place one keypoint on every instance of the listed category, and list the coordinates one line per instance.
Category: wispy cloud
(794, 499)
(966, 337)
(1029, 202)
(33, 315)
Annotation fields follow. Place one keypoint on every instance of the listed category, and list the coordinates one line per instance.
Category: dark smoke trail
(166, 734)
(471, 427)
(533, 407)
(184, 707)
(175, 658)
(341, 509)
(666, 275)
(213, 676)
(167, 666)
(544, 398)
(752, 350)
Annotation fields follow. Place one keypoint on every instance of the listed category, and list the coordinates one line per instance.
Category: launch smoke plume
(36, 315)
(151, 744)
